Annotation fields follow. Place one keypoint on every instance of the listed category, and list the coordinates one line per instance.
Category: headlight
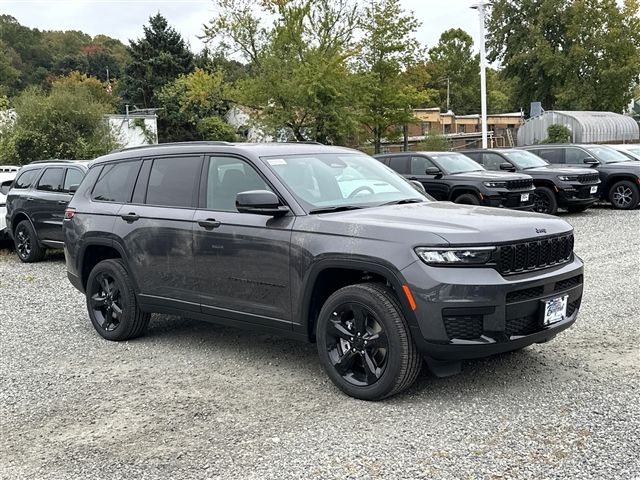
(455, 256)
(568, 178)
(495, 184)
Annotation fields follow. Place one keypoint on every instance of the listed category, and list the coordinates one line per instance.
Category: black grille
(465, 327)
(526, 294)
(534, 255)
(522, 325)
(568, 283)
(588, 178)
(519, 184)
(573, 306)
(584, 192)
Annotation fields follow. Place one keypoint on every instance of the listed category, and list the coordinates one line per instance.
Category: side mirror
(432, 171)
(591, 161)
(260, 202)
(418, 186)
(73, 188)
(507, 166)
(5, 187)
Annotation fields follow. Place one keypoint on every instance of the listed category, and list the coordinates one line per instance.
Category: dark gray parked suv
(321, 244)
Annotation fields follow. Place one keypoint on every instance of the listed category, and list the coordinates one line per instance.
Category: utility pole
(480, 6)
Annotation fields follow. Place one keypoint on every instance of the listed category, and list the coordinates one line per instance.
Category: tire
(577, 208)
(545, 201)
(113, 308)
(624, 195)
(467, 199)
(26, 243)
(382, 341)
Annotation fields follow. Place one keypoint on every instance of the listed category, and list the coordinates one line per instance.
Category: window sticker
(277, 161)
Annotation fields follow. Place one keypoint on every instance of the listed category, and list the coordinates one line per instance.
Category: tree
(387, 50)
(434, 142)
(193, 105)
(558, 133)
(156, 59)
(578, 54)
(300, 86)
(67, 123)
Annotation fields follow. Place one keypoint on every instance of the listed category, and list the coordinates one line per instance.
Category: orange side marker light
(407, 292)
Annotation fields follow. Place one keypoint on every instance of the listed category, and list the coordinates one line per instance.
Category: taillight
(69, 213)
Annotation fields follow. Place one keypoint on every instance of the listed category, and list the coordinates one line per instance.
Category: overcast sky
(123, 19)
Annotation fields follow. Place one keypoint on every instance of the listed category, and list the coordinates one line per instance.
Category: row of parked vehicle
(321, 244)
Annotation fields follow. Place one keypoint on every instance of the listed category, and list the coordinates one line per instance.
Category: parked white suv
(6, 179)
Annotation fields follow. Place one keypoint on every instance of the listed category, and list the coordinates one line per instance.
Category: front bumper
(4, 232)
(510, 199)
(463, 313)
(578, 195)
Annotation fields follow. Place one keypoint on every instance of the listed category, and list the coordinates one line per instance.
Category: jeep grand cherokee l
(572, 188)
(321, 244)
(36, 203)
(455, 177)
(620, 176)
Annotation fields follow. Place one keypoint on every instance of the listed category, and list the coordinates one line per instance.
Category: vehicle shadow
(488, 376)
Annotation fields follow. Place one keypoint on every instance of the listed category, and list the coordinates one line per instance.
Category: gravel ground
(195, 400)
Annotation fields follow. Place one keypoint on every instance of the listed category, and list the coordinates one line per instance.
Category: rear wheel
(112, 303)
(624, 195)
(364, 342)
(544, 201)
(26, 242)
(467, 199)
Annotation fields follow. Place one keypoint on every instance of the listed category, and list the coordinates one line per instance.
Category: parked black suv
(572, 188)
(619, 174)
(455, 177)
(320, 244)
(36, 203)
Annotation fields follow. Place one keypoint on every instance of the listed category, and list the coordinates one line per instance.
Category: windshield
(328, 180)
(524, 160)
(607, 154)
(455, 162)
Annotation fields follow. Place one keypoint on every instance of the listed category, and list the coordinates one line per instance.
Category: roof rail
(52, 160)
(169, 144)
(308, 142)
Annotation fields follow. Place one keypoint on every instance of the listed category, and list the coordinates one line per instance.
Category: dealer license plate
(593, 189)
(555, 310)
(524, 197)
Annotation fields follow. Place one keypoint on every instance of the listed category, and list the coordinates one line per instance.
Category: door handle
(209, 223)
(63, 202)
(413, 178)
(30, 199)
(129, 217)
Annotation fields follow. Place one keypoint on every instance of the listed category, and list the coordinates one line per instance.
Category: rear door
(156, 230)
(47, 203)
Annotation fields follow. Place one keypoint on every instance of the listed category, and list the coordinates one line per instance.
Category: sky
(123, 19)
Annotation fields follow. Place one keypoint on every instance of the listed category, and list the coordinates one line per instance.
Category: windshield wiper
(403, 201)
(338, 208)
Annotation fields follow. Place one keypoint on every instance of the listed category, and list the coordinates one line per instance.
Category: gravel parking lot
(195, 400)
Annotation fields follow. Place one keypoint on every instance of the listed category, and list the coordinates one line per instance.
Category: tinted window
(451, 162)
(172, 181)
(227, 177)
(551, 155)
(73, 177)
(474, 156)
(25, 179)
(606, 154)
(492, 161)
(524, 159)
(51, 180)
(419, 165)
(116, 182)
(399, 164)
(575, 155)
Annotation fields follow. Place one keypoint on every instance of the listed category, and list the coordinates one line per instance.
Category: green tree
(387, 51)
(557, 133)
(66, 123)
(434, 142)
(159, 57)
(577, 54)
(300, 85)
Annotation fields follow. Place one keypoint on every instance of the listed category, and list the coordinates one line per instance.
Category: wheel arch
(455, 192)
(614, 178)
(18, 217)
(329, 275)
(94, 252)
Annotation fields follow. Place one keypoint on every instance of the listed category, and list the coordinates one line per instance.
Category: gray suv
(321, 244)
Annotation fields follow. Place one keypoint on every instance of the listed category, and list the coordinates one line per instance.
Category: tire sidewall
(635, 195)
(553, 202)
(388, 380)
(128, 304)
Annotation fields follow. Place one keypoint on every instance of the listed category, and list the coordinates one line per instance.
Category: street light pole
(480, 6)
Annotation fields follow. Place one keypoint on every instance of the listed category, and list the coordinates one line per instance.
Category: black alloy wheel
(624, 195)
(357, 344)
(26, 243)
(544, 201)
(106, 301)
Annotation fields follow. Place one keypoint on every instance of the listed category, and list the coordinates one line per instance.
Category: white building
(134, 129)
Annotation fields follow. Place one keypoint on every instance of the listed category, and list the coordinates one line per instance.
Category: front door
(242, 260)
(434, 187)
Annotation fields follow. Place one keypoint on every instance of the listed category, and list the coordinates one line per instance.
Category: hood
(559, 169)
(630, 167)
(489, 175)
(441, 223)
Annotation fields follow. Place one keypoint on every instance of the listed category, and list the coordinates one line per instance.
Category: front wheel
(624, 195)
(468, 199)
(364, 342)
(112, 304)
(544, 201)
